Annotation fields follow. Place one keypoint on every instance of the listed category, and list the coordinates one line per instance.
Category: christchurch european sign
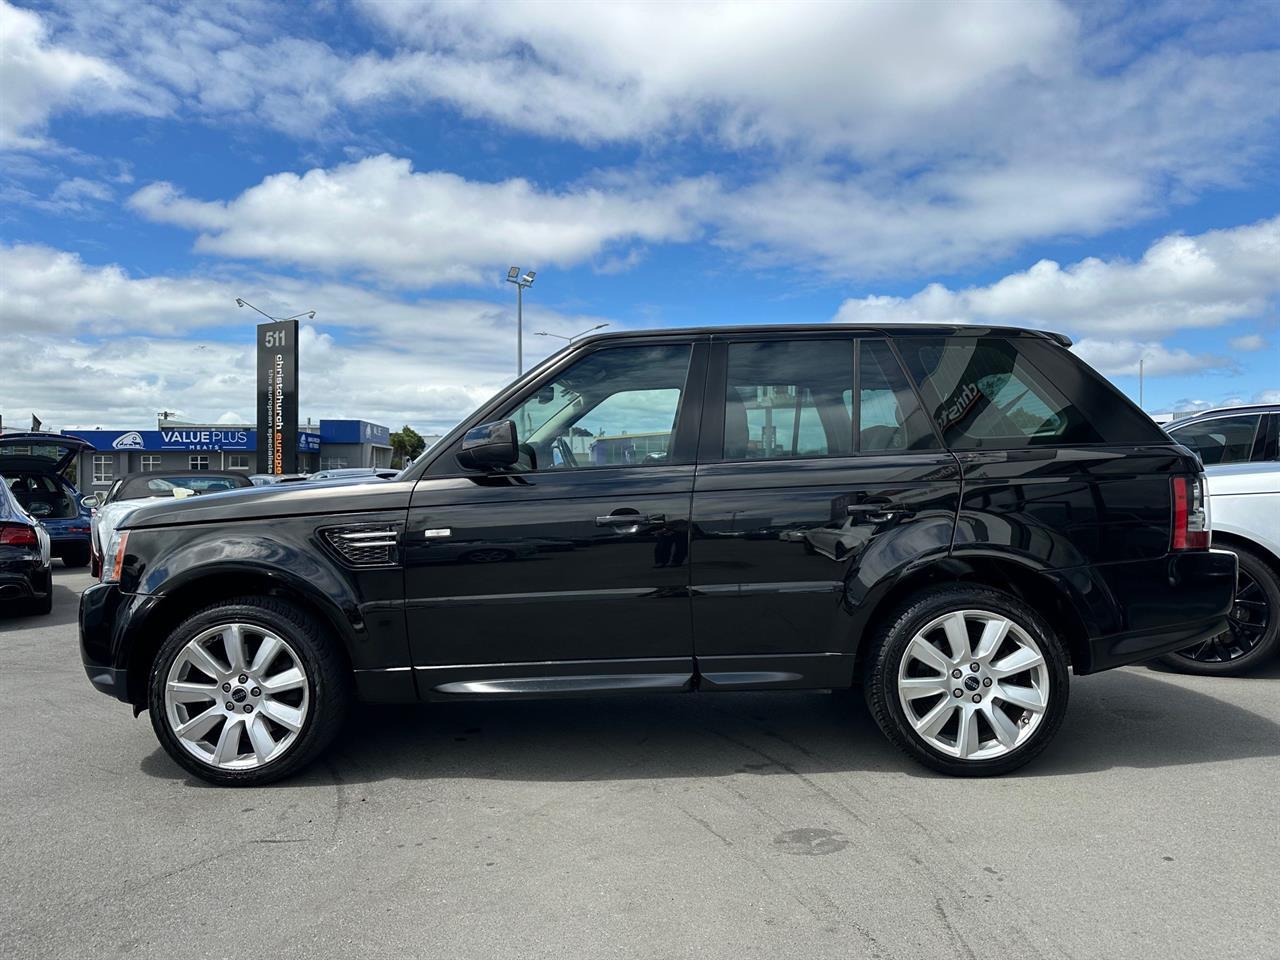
(277, 432)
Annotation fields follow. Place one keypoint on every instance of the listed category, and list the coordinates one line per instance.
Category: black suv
(955, 518)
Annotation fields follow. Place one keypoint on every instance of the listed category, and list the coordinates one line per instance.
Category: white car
(1244, 502)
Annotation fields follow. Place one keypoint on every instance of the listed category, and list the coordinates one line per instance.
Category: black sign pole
(278, 397)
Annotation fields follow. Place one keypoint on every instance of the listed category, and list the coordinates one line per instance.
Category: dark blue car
(34, 466)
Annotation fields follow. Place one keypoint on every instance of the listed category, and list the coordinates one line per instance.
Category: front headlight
(113, 555)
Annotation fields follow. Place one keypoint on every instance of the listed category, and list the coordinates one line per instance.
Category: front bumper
(107, 617)
(1140, 610)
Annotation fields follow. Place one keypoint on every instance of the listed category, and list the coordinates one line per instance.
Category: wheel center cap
(972, 683)
(239, 694)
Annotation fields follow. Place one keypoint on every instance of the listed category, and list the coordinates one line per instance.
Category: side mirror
(90, 501)
(489, 446)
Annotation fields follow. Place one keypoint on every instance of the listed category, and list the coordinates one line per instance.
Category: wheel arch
(1224, 538)
(198, 588)
(1006, 574)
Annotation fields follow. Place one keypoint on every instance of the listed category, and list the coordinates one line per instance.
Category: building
(218, 446)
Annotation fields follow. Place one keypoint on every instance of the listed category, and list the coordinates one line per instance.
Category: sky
(1105, 170)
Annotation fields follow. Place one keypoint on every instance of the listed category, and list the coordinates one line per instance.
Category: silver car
(1244, 501)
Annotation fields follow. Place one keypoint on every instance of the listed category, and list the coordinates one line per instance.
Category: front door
(567, 573)
(797, 516)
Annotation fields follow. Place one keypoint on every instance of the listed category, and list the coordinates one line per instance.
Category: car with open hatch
(955, 519)
(36, 467)
(26, 574)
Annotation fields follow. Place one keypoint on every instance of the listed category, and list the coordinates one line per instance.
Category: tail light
(18, 535)
(1190, 514)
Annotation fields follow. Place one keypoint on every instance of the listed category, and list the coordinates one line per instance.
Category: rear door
(819, 478)
(1058, 468)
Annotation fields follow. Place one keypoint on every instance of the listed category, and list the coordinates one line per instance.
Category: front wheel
(248, 691)
(967, 680)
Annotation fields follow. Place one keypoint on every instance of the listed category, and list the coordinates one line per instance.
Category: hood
(274, 501)
(1242, 478)
(43, 452)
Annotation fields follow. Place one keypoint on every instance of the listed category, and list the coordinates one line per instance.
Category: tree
(406, 445)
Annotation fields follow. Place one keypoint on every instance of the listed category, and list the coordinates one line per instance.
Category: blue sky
(1103, 170)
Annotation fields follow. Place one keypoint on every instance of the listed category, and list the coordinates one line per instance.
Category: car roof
(882, 329)
(1243, 408)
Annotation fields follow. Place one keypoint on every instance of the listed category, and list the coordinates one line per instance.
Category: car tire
(76, 555)
(297, 724)
(41, 606)
(1004, 715)
(1257, 595)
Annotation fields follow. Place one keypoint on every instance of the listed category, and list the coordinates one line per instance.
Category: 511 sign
(278, 397)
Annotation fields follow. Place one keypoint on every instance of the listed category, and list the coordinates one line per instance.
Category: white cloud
(92, 345)
(1267, 396)
(751, 72)
(1181, 282)
(39, 77)
(1116, 358)
(1249, 343)
(420, 229)
(883, 138)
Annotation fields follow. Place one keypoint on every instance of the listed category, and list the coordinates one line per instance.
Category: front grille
(365, 544)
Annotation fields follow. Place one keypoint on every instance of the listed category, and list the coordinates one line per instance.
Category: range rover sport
(955, 519)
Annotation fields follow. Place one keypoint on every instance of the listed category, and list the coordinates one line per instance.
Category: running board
(545, 686)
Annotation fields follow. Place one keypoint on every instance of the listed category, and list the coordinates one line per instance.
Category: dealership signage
(277, 433)
(231, 440)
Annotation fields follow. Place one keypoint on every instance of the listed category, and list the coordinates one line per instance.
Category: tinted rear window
(976, 396)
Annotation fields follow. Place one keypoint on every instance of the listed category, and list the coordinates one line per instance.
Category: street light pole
(513, 276)
(305, 313)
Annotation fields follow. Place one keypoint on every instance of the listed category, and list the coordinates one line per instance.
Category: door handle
(631, 520)
(875, 512)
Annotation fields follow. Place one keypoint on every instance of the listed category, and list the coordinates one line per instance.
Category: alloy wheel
(237, 696)
(1246, 625)
(973, 684)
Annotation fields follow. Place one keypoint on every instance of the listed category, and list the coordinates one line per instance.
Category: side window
(615, 407)
(789, 399)
(1221, 440)
(983, 393)
(889, 417)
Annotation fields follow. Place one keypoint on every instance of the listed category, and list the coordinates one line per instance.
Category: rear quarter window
(1007, 393)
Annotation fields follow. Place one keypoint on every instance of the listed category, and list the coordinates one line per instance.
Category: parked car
(1244, 500)
(135, 488)
(1248, 434)
(267, 479)
(26, 559)
(1019, 520)
(355, 473)
(36, 465)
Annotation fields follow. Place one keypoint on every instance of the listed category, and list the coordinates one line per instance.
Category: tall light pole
(561, 336)
(513, 276)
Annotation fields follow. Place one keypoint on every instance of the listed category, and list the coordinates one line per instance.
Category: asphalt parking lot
(740, 825)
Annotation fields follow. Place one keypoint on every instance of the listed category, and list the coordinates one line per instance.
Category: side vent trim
(365, 544)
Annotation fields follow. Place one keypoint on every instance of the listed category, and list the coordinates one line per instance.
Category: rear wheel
(1253, 625)
(967, 680)
(248, 691)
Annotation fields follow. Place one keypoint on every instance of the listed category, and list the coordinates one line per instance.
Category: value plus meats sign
(278, 397)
